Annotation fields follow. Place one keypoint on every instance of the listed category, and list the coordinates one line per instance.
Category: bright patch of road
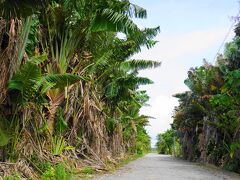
(162, 167)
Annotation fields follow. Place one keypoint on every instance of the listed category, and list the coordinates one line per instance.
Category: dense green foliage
(207, 119)
(168, 143)
(69, 91)
(165, 142)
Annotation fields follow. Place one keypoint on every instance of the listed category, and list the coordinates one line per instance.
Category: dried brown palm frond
(3, 24)
(26, 170)
(6, 168)
(116, 143)
(88, 124)
(22, 168)
(87, 55)
(8, 53)
(94, 133)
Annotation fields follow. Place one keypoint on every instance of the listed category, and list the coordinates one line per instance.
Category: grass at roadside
(111, 167)
(128, 160)
(65, 172)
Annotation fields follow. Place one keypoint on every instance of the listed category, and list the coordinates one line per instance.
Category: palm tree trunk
(55, 102)
(8, 54)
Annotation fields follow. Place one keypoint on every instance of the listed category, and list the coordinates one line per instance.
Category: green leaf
(38, 59)
(26, 81)
(112, 89)
(110, 20)
(67, 148)
(4, 138)
(140, 64)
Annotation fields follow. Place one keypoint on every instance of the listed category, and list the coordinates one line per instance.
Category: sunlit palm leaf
(110, 20)
(140, 64)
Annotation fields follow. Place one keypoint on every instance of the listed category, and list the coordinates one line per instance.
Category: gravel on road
(164, 167)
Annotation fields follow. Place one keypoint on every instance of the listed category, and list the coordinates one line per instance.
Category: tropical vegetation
(69, 88)
(207, 119)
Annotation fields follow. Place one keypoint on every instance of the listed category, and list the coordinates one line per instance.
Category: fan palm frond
(62, 80)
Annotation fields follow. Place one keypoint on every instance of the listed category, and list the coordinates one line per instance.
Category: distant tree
(165, 142)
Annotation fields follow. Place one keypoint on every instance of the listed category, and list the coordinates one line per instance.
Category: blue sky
(191, 30)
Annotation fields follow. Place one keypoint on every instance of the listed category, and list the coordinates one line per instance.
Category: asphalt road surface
(162, 167)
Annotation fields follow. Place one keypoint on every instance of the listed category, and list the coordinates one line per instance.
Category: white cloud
(189, 43)
(176, 46)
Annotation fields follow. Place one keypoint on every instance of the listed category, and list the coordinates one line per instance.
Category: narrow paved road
(162, 167)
